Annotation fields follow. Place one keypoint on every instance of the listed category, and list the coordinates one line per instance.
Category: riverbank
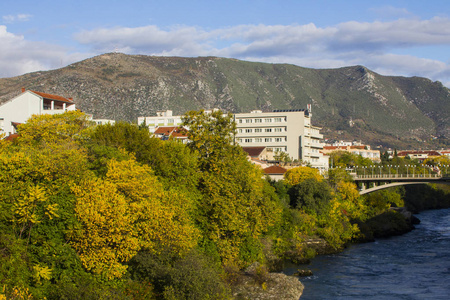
(411, 266)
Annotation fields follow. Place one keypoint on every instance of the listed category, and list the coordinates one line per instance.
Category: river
(412, 266)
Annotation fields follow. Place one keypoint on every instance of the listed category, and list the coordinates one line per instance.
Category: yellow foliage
(296, 175)
(123, 213)
(42, 273)
(351, 202)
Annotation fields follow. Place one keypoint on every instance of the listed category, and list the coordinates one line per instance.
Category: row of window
(256, 130)
(261, 140)
(162, 122)
(260, 120)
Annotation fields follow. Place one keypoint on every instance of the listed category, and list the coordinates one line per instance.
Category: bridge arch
(385, 186)
(384, 181)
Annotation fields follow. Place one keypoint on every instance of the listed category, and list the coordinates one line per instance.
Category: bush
(194, 276)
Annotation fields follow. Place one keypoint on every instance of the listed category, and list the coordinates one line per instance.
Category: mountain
(349, 103)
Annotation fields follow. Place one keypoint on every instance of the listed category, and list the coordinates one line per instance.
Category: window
(268, 120)
(268, 130)
(240, 130)
(170, 121)
(258, 140)
(278, 120)
(240, 140)
(248, 120)
(279, 129)
(248, 130)
(258, 129)
(240, 120)
(258, 120)
(268, 140)
(247, 140)
(278, 140)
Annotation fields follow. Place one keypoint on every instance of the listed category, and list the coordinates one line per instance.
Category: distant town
(270, 139)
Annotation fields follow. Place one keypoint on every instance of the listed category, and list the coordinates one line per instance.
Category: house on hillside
(174, 132)
(19, 109)
(363, 150)
(275, 172)
(420, 155)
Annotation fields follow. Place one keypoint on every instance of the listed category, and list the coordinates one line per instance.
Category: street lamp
(389, 170)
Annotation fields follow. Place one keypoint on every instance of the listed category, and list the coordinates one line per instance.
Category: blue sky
(407, 38)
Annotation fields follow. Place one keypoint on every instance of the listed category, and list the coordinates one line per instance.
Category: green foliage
(345, 159)
(311, 195)
(193, 276)
(237, 205)
(379, 201)
(171, 161)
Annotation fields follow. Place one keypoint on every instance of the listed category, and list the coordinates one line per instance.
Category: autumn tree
(125, 212)
(237, 206)
(297, 175)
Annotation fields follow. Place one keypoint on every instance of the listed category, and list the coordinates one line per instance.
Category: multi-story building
(19, 109)
(288, 131)
(162, 119)
(363, 150)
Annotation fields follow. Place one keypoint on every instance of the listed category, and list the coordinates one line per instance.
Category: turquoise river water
(412, 266)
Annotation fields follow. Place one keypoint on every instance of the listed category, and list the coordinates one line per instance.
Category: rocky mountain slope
(350, 102)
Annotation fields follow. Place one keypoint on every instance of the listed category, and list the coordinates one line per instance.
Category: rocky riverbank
(256, 284)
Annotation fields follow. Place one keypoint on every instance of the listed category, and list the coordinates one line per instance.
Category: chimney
(23, 90)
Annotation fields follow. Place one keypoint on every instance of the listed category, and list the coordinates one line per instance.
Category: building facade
(162, 119)
(288, 131)
(19, 109)
(363, 150)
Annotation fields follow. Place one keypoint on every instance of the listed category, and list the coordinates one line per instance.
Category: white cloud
(350, 43)
(13, 18)
(19, 56)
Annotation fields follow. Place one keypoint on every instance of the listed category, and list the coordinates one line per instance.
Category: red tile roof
(53, 97)
(253, 151)
(11, 137)
(165, 130)
(171, 131)
(428, 152)
(275, 170)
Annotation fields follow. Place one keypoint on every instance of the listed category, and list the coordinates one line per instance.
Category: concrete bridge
(384, 181)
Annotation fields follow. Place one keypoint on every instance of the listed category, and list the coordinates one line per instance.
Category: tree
(173, 162)
(237, 205)
(210, 134)
(297, 175)
(125, 212)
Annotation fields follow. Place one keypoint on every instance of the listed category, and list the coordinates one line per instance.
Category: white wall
(19, 109)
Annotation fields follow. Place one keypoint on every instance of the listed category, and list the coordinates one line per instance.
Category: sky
(396, 37)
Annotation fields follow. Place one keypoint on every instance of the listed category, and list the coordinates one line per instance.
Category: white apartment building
(288, 131)
(19, 109)
(162, 119)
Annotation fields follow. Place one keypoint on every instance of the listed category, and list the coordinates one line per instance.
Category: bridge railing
(395, 176)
